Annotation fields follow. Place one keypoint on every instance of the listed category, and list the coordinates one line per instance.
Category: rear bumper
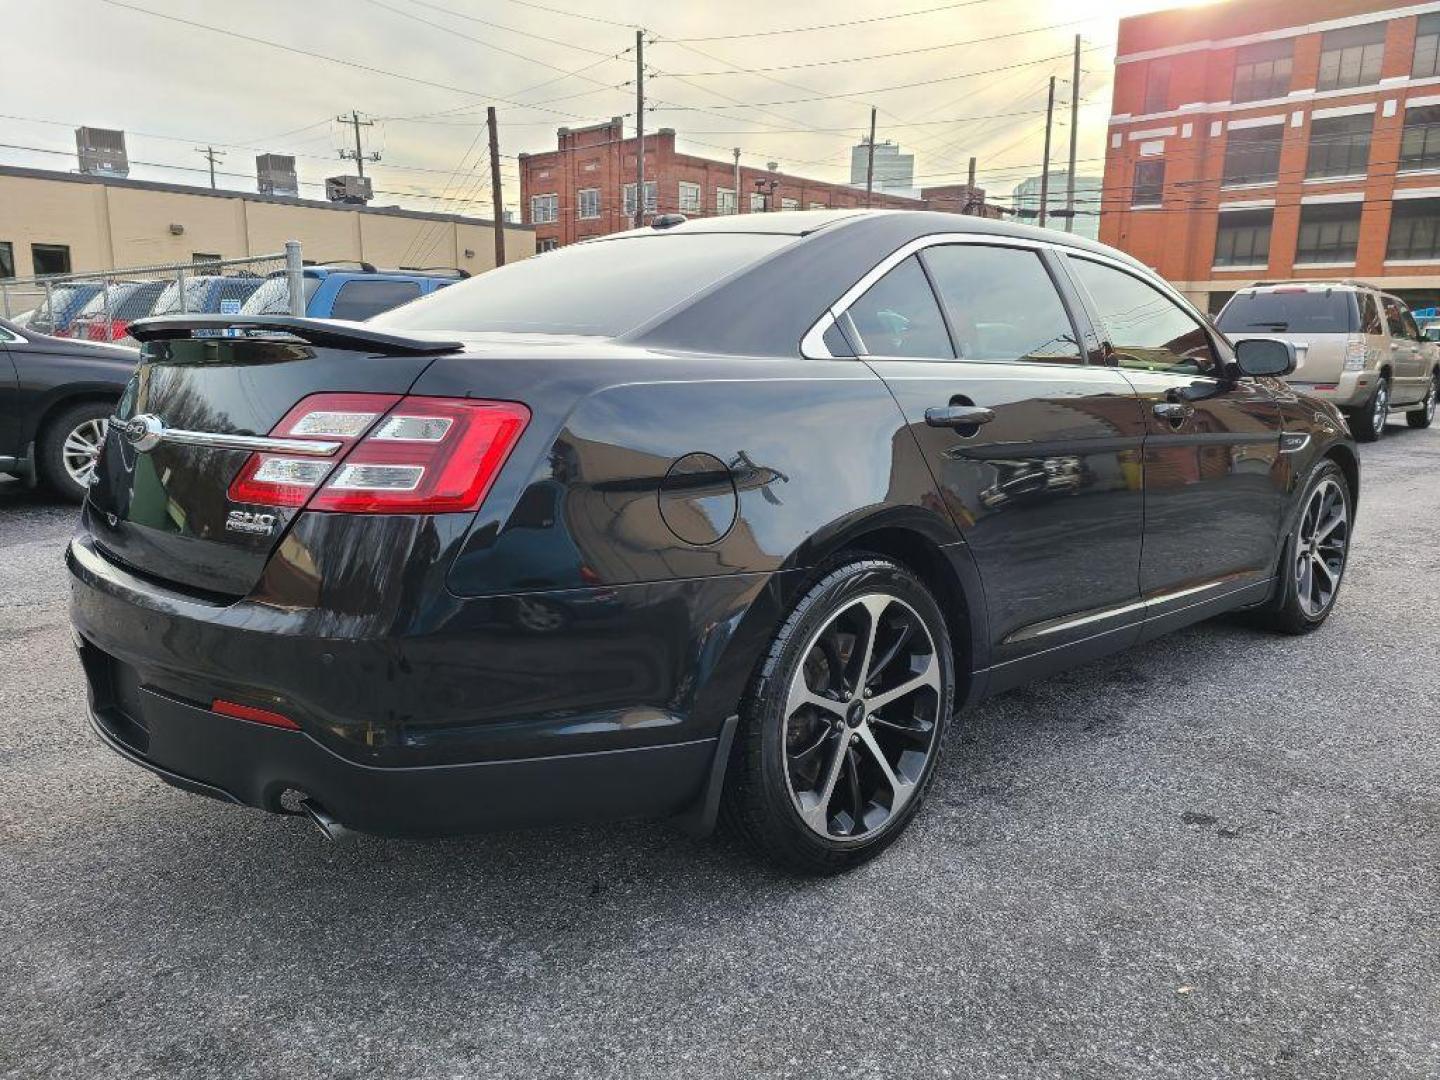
(241, 762)
(1351, 390)
(484, 717)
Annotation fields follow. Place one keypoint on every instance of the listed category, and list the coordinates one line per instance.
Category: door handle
(959, 416)
(1174, 411)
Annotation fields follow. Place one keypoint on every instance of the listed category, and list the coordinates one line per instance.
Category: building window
(1329, 233)
(757, 202)
(544, 209)
(724, 201)
(7, 259)
(1415, 230)
(50, 258)
(1262, 71)
(1157, 86)
(789, 204)
(652, 198)
(208, 260)
(1340, 145)
(689, 198)
(1149, 188)
(1427, 47)
(1420, 144)
(1252, 155)
(1243, 238)
(817, 206)
(589, 203)
(1351, 57)
(548, 243)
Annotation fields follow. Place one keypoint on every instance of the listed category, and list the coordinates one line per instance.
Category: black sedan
(56, 398)
(722, 518)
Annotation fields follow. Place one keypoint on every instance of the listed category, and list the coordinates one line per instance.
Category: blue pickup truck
(348, 291)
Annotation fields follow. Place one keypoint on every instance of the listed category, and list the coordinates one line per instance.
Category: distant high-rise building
(1026, 202)
(894, 171)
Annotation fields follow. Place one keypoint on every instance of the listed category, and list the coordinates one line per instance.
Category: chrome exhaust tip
(329, 828)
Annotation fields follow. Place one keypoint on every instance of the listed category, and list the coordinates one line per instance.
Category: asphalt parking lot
(1215, 856)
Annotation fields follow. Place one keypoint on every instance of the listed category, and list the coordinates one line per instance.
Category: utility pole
(1045, 168)
(970, 195)
(497, 199)
(870, 159)
(737, 180)
(1074, 132)
(640, 129)
(209, 154)
(358, 155)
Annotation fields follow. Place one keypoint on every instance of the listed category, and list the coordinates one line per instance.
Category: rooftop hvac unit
(348, 189)
(276, 174)
(102, 152)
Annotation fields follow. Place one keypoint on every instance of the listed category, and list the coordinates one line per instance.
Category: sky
(950, 80)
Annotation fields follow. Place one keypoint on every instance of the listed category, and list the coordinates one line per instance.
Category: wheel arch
(1349, 463)
(934, 553)
(79, 394)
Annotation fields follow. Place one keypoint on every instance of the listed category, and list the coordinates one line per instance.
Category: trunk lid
(164, 511)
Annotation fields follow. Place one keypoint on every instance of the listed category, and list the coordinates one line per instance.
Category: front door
(9, 403)
(1046, 489)
(1409, 360)
(1214, 476)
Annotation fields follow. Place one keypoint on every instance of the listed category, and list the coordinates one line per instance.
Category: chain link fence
(99, 306)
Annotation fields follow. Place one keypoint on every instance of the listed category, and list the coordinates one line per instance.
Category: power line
(828, 26)
(898, 86)
(737, 70)
(357, 65)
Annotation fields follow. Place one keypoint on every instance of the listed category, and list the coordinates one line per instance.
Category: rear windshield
(606, 288)
(1303, 312)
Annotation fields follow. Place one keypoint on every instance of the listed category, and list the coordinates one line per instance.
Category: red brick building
(1247, 144)
(586, 186)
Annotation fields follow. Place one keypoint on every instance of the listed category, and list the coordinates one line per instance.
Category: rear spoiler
(326, 333)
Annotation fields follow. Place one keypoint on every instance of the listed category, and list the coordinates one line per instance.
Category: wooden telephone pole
(497, 201)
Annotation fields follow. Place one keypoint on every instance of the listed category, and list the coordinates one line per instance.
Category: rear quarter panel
(800, 453)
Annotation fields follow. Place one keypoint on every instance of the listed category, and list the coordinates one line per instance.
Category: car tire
(64, 447)
(807, 787)
(1301, 604)
(1368, 423)
(1424, 416)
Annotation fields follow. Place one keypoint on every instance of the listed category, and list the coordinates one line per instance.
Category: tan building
(55, 222)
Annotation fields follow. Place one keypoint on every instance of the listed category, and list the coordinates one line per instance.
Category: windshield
(273, 296)
(606, 288)
(1307, 311)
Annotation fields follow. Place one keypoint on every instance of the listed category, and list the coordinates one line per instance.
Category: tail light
(413, 455)
(1355, 354)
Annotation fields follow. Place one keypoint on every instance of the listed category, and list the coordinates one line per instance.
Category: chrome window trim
(813, 348)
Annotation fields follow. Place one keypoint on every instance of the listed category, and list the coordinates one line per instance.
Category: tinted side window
(360, 299)
(1147, 329)
(1002, 304)
(898, 316)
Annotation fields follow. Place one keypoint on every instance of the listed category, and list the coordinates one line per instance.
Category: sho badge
(243, 521)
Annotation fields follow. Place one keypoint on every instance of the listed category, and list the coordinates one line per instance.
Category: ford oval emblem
(143, 432)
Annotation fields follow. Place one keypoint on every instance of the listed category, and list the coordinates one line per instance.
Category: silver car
(1355, 346)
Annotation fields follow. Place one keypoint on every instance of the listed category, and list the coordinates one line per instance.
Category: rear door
(1047, 492)
(1214, 484)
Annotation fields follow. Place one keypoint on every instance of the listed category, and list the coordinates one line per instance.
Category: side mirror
(1264, 358)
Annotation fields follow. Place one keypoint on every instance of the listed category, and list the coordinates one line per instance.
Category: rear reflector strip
(255, 716)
